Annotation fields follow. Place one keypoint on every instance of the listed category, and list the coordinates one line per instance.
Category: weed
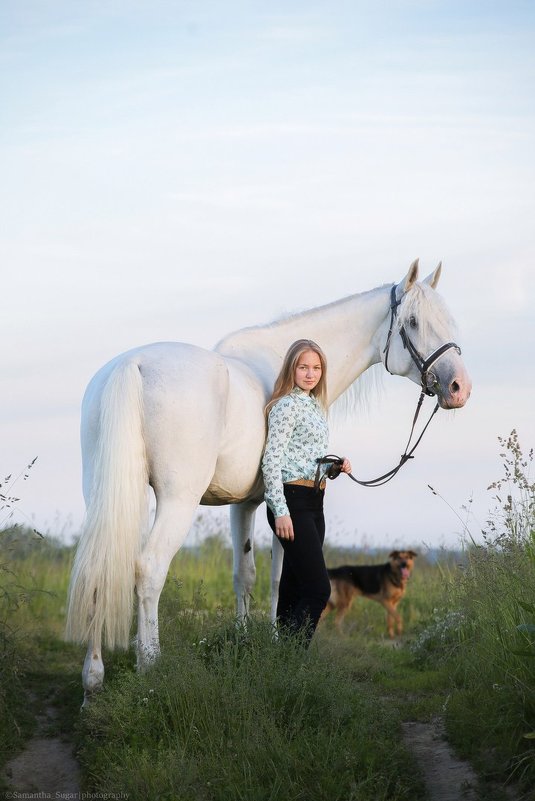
(440, 638)
(493, 663)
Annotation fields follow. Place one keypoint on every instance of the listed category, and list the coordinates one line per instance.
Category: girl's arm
(281, 422)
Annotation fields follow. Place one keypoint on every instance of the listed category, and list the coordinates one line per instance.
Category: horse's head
(419, 340)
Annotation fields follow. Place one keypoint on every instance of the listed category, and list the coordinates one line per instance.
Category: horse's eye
(412, 322)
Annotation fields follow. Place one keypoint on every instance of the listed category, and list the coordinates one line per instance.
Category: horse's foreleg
(92, 671)
(277, 554)
(173, 520)
(242, 517)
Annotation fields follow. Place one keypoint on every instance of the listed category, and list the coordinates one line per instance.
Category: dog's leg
(392, 618)
(399, 621)
(339, 617)
(341, 600)
(343, 605)
(328, 608)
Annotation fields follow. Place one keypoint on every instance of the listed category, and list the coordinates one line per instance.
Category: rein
(336, 462)
(428, 382)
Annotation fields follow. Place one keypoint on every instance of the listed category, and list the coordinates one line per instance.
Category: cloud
(182, 171)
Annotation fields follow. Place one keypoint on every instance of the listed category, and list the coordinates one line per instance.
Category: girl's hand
(284, 527)
(346, 467)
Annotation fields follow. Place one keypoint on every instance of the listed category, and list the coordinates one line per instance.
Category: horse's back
(172, 360)
(202, 419)
(180, 384)
(163, 366)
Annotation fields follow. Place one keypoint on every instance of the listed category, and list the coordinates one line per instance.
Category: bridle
(428, 379)
(428, 382)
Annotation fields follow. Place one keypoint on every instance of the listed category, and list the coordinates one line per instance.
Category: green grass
(324, 724)
(228, 714)
(495, 594)
(225, 716)
(484, 634)
(232, 714)
(37, 669)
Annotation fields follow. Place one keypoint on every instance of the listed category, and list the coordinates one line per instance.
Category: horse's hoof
(88, 700)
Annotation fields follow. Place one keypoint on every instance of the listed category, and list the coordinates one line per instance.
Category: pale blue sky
(180, 170)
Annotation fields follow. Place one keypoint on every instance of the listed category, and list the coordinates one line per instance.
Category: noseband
(428, 378)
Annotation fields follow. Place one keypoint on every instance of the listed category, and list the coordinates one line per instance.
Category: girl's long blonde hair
(285, 380)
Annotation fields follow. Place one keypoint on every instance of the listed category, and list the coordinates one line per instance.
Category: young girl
(298, 435)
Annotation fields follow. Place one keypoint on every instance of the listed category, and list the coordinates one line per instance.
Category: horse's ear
(411, 277)
(432, 279)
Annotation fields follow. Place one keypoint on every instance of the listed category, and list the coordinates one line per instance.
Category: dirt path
(46, 768)
(446, 777)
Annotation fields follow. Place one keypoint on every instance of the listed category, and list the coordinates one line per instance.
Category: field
(230, 713)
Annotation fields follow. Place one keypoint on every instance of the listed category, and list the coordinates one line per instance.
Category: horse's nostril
(455, 386)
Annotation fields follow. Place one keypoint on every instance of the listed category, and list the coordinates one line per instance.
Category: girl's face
(308, 371)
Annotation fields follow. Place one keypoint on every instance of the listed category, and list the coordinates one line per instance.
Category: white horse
(189, 423)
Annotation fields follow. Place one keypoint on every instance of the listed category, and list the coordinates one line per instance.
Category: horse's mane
(357, 399)
(286, 318)
(289, 317)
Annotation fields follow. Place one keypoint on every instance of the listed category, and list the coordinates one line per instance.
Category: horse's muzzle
(456, 394)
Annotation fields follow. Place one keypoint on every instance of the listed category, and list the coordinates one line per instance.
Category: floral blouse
(298, 434)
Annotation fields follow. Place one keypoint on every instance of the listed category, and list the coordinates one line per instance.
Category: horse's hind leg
(92, 671)
(173, 520)
(242, 517)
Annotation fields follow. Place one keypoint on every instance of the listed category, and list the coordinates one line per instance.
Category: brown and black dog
(385, 584)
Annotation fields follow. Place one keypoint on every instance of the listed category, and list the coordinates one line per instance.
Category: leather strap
(337, 461)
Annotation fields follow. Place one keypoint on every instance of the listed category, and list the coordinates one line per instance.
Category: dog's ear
(393, 554)
(413, 554)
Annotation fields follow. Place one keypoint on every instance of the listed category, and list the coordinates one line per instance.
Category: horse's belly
(237, 480)
(217, 496)
(237, 476)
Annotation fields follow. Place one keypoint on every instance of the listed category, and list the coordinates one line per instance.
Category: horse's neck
(346, 330)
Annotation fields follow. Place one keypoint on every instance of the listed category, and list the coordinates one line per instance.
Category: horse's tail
(101, 591)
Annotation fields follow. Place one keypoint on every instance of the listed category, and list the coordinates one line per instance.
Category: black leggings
(304, 585)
